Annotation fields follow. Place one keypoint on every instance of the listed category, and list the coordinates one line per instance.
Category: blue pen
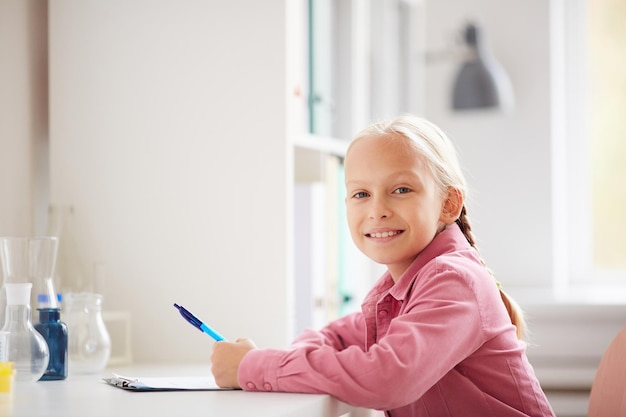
(197, 323)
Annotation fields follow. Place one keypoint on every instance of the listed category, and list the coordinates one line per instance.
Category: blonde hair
(442, 161)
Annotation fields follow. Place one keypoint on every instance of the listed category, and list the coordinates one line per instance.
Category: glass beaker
(31, 259)
(71, 273)
(89, 344)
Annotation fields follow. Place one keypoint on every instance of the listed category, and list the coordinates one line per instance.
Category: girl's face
(393, 205)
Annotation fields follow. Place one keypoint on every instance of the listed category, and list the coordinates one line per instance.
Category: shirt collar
(449, 240)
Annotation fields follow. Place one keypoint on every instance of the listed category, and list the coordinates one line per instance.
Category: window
(590, 150)
(607, 133)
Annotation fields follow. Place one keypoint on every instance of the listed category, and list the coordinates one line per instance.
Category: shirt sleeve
(341, 333)
(440, 326)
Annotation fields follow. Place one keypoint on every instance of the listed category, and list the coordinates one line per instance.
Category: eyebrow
(399, 175)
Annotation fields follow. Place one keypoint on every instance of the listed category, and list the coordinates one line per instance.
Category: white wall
(168, 127)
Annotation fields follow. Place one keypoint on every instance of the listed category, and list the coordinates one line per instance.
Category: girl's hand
(225, 361)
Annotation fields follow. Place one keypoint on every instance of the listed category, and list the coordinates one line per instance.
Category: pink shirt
(437, 343)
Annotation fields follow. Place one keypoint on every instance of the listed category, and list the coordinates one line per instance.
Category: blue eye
(402, 190)
(361, 194)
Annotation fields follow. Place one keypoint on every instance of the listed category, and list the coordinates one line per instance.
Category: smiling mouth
(382, 235)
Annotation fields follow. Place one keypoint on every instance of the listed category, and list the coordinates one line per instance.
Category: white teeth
(383, 234)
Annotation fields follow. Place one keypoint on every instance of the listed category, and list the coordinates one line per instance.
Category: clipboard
(176, 383)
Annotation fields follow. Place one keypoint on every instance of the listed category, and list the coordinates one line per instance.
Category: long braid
(465, 226)
(512, 308)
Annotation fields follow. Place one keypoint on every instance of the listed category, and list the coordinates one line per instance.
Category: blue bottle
(54, 331)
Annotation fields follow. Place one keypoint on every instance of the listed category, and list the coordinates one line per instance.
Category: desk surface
(90, 396)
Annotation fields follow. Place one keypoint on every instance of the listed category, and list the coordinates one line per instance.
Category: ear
(452, 205)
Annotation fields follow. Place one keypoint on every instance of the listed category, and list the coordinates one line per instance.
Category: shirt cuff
(258, 371)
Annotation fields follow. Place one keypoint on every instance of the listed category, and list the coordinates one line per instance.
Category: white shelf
(323, 144)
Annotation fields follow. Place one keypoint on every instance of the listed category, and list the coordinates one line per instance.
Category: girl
(436, 336)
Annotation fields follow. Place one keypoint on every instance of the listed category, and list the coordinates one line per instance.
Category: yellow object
(7, 373)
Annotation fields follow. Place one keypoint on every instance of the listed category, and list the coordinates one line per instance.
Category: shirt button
(251, 386)
(382, 313)
(267, 386)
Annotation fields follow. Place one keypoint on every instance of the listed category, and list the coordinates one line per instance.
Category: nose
(379, 208)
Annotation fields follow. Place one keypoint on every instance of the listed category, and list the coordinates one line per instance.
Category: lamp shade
(481, 82)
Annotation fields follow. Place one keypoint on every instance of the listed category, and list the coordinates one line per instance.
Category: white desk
(89, 396)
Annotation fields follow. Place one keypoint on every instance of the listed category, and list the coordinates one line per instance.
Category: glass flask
(33, 259)
(27, 348)
(89, 344)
